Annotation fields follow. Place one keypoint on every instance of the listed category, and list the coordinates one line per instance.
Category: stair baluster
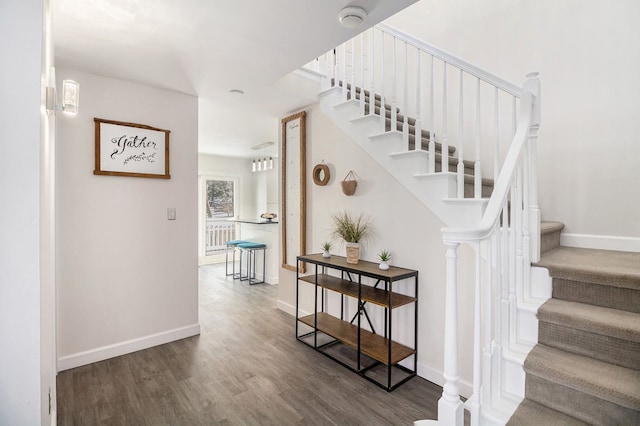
(405, 119)
(477, 169)
(432, 122)
(460, 169)
(445, 139)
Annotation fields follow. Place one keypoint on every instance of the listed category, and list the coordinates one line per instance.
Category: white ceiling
(207, 48)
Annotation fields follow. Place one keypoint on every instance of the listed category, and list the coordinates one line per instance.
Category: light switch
(171, 213)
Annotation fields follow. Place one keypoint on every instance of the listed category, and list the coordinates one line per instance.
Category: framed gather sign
(130, 149)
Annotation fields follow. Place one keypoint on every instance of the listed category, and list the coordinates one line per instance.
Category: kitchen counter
(254, 221)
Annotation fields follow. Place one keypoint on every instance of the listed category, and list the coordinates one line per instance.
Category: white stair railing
(461, 105)
(506, 241)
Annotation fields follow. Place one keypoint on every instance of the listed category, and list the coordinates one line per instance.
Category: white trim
(602, 242)
(126, 347)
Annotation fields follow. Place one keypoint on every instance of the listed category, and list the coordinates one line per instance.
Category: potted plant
(385, 257)
(353, 230)
(326, 246)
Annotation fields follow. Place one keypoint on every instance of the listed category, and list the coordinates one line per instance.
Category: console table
(353, 341)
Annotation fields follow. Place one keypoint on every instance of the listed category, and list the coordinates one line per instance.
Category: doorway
(219, 203)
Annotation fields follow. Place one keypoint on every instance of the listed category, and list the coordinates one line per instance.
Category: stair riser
(624, 299)
(549, 241)
(604, 348)
(469, 191)
(578, 404)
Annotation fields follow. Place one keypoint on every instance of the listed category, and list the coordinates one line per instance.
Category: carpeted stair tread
(548, 227)
(611, 383)
(607, 267)
(609, 335)
(530, 413)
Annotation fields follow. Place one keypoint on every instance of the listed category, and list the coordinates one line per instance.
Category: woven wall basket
(349, 183)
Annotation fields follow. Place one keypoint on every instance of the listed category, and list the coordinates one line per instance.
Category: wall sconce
(70, 97)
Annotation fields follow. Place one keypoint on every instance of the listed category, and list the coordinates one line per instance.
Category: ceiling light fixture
(262, 163)
(352, 17)
(236, 91)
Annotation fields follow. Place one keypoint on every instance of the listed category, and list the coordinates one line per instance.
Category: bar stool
(251, 249)
(231, 245)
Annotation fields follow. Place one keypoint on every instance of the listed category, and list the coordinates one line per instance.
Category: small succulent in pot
(326, 246)
(385, 257)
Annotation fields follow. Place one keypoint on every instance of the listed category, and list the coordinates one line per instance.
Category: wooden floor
(246, 368)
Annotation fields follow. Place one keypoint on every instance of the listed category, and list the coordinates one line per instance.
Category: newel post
(533, 86)
(450, 408)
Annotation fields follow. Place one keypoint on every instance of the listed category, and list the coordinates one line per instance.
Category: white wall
(127, 276)
(588, 57)
(403, 225)
(25, 359)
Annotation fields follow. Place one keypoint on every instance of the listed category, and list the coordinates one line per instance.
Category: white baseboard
(286, 307)
(602, 242)
(435, 376)
(123, 348)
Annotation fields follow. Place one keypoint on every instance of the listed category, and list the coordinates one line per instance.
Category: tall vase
(353, 253)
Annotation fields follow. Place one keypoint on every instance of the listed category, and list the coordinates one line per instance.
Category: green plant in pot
(385, 257)
(326, 247)
(353, 230)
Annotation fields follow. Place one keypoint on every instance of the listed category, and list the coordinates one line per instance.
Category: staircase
(585, 368)
(486, 195)
(543, 353)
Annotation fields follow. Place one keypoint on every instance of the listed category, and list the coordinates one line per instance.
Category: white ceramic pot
(384, 266)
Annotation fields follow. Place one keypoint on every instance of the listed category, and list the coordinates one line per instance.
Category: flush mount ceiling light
(352, 17)
(236, 91)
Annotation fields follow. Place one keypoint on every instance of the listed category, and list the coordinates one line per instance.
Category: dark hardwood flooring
(246, 368)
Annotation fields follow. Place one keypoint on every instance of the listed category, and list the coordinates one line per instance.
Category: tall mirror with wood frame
(294, 170)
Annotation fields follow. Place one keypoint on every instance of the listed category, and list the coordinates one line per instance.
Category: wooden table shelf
(368, 348)
(370, 344)
(350, 288)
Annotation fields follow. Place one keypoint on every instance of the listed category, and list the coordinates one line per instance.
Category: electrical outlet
(171, 213)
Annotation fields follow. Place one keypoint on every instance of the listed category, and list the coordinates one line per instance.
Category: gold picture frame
(294, 171)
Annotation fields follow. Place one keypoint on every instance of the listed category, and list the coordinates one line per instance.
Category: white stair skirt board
(126, 347)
